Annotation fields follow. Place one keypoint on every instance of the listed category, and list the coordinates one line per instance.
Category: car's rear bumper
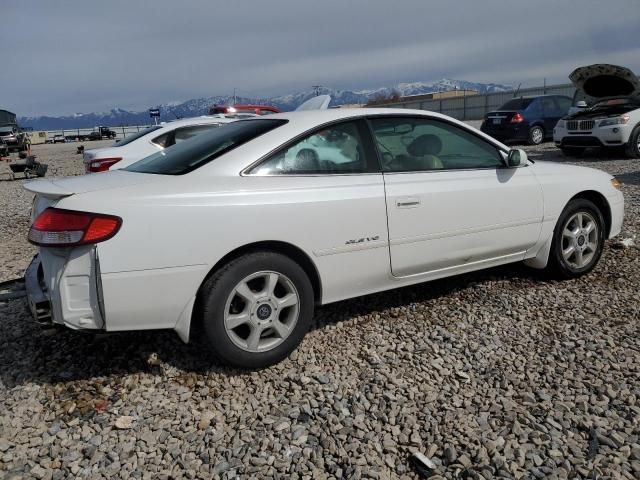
(37, 294)
(507, 132)
(63, 287)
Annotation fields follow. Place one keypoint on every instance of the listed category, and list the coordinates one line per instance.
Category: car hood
(65, 187)
(603, 80)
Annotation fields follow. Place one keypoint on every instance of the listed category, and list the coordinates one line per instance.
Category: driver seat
(425, 150)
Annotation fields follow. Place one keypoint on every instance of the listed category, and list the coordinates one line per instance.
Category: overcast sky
(62, 57)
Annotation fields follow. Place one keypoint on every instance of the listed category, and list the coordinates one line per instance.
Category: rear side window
(137, 135)
(183, 133)
(189, 155)
(516, 104)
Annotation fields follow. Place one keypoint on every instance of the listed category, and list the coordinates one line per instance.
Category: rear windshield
(517, 104)
(186, 156)
(137, 135)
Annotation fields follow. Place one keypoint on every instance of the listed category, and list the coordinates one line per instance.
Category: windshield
(517, 104)
(136, 135)
(6, 131)
(186, 156)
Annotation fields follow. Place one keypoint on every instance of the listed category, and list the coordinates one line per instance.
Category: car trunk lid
(602, 80)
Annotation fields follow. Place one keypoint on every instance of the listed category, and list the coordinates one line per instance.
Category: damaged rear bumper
(37, 296)
(63, 287)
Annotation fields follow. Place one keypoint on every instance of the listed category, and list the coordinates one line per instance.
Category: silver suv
(611, 121)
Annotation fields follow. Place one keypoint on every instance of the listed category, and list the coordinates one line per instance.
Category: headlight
(615, 183)
(621, 120)
(560, 124)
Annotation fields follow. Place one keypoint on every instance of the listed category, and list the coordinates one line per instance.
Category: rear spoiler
(46, 188)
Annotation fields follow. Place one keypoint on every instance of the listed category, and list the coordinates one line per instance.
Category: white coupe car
(238, 233)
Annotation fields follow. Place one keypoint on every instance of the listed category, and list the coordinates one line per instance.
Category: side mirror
(516, 158)
(581, 104)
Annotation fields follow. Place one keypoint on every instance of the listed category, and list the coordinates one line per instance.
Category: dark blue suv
(529, 119)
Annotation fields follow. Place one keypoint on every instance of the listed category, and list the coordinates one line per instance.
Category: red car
(257, 109)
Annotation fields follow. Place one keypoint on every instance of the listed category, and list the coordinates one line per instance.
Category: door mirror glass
(516, 158)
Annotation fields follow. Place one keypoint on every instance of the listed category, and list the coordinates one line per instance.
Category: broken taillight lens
(101, 164)
(56, 227)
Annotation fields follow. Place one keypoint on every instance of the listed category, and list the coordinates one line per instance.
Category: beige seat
(424, 150)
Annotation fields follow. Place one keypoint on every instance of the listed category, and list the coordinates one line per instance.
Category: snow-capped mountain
(200, 106)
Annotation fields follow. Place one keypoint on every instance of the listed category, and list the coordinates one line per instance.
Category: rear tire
(536, 135)
(632, 148)
(578, 240)
(573, 151)
(256, 309)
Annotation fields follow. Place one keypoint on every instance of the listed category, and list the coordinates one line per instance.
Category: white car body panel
(176, 229)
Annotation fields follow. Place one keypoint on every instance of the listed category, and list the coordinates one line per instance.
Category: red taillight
(517, 118)
(55, 227)
(101, 164)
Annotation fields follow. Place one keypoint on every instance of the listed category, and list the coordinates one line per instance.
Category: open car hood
(603, 80)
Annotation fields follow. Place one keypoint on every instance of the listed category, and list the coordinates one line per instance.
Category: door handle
(407, 202)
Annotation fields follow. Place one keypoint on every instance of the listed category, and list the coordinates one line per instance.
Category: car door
(333, 206)
(451, 202)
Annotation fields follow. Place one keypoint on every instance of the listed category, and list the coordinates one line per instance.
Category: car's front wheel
(578, 239)
(536, 135)
(632, 149)
(572, 151)
(256, 309)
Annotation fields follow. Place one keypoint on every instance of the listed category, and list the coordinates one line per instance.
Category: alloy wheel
(261, 311)
(580, 240)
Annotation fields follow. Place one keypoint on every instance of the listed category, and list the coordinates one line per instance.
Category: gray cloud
(71, 56)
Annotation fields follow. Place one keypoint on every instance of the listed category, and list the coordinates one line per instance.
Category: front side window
(548, 106)
(336, 149)
(416, 144)
(564, 104)
(186, 156)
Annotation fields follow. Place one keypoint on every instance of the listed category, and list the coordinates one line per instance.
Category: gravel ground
(496, 374)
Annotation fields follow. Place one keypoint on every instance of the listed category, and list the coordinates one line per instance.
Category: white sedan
(237, 234)
(148, 141)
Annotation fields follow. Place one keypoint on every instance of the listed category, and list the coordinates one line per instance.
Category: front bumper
(609, 136)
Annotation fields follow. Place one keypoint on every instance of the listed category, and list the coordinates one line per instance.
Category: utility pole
(234, 95)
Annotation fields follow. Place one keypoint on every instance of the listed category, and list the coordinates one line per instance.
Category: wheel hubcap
(579, 240)
(261, 311)
(536, 135)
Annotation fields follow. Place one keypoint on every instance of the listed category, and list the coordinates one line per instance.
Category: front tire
(536, 135)
(632, 148)
(578, 240)
(256, 309)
